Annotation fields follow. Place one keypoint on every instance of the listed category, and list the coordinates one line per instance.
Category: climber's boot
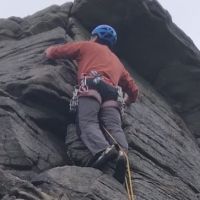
(103, 157)
(121, 166)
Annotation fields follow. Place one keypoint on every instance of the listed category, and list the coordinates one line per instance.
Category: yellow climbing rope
(128, 180)
(129, 185)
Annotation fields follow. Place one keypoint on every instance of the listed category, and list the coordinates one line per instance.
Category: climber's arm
(129, 86)
(68, 50)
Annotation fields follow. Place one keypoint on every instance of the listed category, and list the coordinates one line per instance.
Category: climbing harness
(128, 181)
(82, 90)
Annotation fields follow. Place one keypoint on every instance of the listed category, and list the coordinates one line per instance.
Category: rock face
(162, 127)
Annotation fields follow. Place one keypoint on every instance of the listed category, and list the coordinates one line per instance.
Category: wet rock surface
(41, 156)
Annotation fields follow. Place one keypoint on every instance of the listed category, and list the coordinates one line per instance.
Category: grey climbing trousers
(89, 117)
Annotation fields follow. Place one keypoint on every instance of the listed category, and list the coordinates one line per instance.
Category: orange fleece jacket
(92, 56)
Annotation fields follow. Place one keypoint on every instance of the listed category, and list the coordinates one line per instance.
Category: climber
(99, 73)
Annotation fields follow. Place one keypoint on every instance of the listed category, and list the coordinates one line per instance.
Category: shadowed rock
(76, 183)
(34, 105)
(155, 47)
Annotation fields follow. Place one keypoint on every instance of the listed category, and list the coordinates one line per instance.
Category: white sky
(185, 13)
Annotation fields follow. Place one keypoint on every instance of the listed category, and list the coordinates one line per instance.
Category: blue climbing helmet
(106, 34)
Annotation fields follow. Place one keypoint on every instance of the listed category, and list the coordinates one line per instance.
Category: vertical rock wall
(34, 108)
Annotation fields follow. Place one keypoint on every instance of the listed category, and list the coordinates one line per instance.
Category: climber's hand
(48, 53)
(127, 100)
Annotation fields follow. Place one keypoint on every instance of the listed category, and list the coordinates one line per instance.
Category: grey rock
(79, 182)
(75, 149)
(7, 182)
(12, 187)
(48, 19)
(26, 84)
(27, 191)
(163, 151)
(35, 122)
(23, 145)
(9, 29)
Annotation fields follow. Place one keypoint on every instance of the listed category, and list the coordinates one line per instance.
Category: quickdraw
(120, 100)
(83, 85)
(74, 100)
(77, 90)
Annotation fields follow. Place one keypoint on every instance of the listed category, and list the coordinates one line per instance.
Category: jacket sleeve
(129, 86)
(68, 50)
